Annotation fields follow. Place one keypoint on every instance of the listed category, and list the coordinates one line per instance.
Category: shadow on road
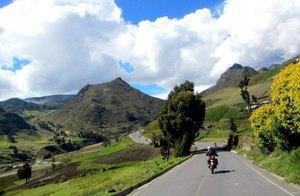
(223, 171)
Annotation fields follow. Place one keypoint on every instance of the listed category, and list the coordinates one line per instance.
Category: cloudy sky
(58, 46)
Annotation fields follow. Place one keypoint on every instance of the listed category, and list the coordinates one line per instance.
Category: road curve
(139, 138)
(235, 176)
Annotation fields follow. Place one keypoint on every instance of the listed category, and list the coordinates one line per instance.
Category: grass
(106, 151)
(151, 128)
(259, 86)
(214, 114)
(4, 142)
(99, 183)
(263, 77)
(115, 167)
(231, 96)
(27, 141)
(213, 135)
(281, 163)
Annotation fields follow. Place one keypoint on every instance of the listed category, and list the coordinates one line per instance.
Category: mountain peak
(231, 77)
(236, 66)
(113, 105)
(118, 80)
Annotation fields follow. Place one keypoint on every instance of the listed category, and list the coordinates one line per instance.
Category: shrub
(277, 125)
(285, 95)
(25, 172)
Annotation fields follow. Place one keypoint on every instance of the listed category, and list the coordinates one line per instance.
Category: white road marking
(270, 181)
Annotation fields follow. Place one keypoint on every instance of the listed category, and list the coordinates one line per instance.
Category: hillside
(111, 106)
(18, 105)
(51, 101)
(11, 123)
(231, 77)
(259, 85)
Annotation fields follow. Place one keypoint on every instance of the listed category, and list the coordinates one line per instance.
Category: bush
(286, 97)
(25, 172)
(277, 125)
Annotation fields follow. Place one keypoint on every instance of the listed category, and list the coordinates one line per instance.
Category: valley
(100, 141)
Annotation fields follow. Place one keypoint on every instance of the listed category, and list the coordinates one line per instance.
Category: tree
(181, 118)
(244, 90)
(25, 172)
(233, 138)
(186, 86)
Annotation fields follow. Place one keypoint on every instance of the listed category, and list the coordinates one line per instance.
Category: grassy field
(214, 114)
(231, 96)
(113, 168)
(281, 163)
(263, 77)
(259, 86)
(151, 128)
(27, 141)
(100, 182)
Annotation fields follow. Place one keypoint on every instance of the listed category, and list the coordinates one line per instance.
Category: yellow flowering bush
(285, 95)
(262, 120)
(278, 124)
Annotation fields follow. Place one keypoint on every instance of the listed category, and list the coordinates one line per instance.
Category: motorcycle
(213, 162)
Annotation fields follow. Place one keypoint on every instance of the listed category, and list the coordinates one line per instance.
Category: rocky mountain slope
(231, 77)
(111, 106)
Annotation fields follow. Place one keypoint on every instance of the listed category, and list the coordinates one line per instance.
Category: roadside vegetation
(282, 163)
(276, 129)
(103, 172)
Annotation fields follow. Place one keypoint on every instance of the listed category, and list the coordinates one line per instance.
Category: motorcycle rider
(211, 153)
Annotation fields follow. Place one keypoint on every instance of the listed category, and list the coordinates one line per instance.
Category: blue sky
(151, 89)
(17, 64)
(137, 10)
(4, 2)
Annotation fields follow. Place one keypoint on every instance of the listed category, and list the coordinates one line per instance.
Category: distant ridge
(111, 106)
(18, 105)
(51, 101)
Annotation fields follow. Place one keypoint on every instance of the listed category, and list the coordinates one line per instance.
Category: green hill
(108, 107)
(11, 123)
(18, 105)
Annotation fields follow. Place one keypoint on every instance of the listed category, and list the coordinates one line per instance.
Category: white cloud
(72, 43)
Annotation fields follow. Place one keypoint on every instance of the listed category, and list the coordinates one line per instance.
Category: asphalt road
(235, 176)
(139, 138)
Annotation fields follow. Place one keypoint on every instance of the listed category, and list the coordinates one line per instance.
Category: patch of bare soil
(135, 153)
(58, 175)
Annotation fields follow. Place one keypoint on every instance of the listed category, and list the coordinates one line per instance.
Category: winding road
(139, 138)
(235, 176)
